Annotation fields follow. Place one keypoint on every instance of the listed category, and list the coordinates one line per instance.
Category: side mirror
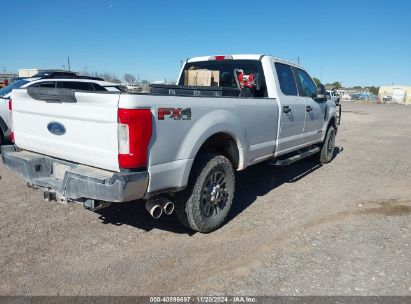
(321, 93)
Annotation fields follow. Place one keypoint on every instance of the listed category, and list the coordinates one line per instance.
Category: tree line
(111, 77)
(132, 79)
(338, 85)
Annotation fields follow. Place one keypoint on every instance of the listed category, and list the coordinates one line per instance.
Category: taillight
(10, 105)
(134, 133)
(12, 136)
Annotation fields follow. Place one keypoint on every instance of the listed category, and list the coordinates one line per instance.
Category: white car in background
(332, 95)
(346, 97)
(77, 83)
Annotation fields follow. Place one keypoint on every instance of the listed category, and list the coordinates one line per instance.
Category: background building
(395, 94)
(28, 72)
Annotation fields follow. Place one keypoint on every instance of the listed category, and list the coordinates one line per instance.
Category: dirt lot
(339, 229)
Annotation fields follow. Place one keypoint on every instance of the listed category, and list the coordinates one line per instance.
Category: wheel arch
(222, 142)
(3, 130)
(332, 122)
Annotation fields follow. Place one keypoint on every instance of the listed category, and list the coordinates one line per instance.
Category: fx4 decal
(174, 113)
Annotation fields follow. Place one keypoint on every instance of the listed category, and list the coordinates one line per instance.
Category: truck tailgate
(81, 130)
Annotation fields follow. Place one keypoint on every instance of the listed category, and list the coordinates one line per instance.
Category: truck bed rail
(179, 90)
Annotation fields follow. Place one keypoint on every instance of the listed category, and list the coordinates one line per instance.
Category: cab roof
(234, 57)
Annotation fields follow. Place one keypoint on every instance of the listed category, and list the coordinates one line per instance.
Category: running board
(292, 159)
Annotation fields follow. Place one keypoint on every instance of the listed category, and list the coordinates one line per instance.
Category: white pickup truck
(177, 146)
(331, 94)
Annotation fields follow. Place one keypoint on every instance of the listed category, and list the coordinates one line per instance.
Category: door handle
(286, 109)
(308, 108)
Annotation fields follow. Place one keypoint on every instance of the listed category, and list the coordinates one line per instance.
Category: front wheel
(327, 149)
(206, 202)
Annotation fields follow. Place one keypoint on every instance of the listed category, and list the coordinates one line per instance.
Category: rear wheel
(207, 200)
(327, 149)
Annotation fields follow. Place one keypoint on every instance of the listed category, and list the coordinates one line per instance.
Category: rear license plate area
(59, 170)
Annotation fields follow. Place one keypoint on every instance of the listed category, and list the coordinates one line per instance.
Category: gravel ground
(305, 229)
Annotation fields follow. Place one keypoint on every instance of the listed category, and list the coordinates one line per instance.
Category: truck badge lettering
(174, 113)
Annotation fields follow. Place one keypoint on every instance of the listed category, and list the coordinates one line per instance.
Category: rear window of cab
(226, 71)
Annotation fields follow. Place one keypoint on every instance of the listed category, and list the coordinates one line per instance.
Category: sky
(355, 42)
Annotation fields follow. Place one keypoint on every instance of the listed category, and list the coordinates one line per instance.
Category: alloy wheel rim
(214, 194)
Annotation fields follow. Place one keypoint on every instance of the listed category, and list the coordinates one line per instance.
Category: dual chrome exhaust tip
(157, 206)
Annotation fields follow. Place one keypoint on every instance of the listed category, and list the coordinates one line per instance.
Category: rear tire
(327, 149)
(206, 202)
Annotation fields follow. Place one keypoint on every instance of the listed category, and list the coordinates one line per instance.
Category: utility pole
(321, 73)
(68, 62)
(85, 71)
(298, 60)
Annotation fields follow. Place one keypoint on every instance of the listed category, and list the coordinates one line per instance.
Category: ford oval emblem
(56, 128)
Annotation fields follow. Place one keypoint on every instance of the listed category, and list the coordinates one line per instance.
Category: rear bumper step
(77, 182)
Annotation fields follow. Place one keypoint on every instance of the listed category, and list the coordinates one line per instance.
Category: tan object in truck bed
(205, 78)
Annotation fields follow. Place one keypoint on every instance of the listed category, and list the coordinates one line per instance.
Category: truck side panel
(176, 140)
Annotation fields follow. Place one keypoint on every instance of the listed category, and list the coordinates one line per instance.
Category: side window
(74, 85)
(306, 85)
(97, 87)
(286, 79)
(45, 84)
(112, 89)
